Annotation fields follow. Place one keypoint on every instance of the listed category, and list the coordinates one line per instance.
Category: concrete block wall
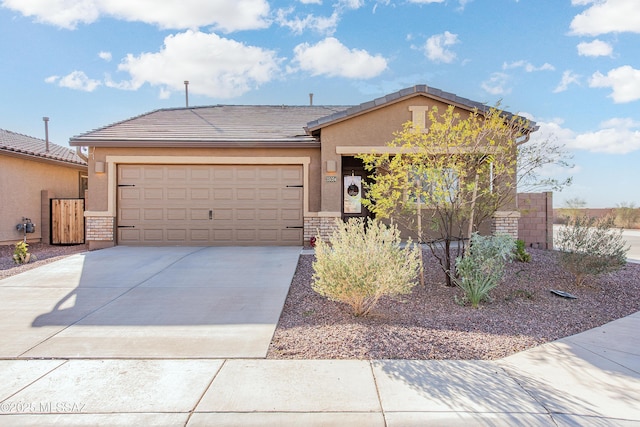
(536, 221)
(505, 222)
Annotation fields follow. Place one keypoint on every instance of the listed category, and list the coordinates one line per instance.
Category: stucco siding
(21, 184)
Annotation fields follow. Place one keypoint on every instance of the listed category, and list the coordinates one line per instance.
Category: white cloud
(105, 55)
(436, 47)
(614, 136)
(214, 66)
(331, 58)
(323, 25)
(606, 16)
(625, 82)
(595, 48)
(224, 15)
(568, 78)
(76, 80)
(497, 84)
(528, 67)
(310, 1)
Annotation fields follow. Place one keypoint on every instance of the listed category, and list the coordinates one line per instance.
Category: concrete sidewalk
(592, 378)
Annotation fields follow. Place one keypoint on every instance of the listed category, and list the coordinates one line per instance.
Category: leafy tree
(441, 183)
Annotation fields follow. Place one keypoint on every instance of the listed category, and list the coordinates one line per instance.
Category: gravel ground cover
(44, 254)
(429, 324)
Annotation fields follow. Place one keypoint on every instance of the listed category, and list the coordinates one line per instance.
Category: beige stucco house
(31, 172)
(241, 175)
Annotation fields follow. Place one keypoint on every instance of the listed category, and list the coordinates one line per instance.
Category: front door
(354, 177)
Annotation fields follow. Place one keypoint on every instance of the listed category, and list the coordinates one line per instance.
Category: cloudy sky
(571, 65)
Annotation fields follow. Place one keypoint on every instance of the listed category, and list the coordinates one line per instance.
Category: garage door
(210, 205)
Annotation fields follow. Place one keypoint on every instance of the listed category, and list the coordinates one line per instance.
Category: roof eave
(305, 142)
(41, 159)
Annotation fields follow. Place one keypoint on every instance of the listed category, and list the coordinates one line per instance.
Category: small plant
(21, 253)
(482, 268)
(363, 262)
(521, 253)
(591, 247)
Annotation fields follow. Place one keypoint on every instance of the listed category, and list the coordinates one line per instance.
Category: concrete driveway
(158, 302)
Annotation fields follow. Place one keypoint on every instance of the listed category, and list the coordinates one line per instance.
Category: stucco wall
(21, 183)
(373, 129)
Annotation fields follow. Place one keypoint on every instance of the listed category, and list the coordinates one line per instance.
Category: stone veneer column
(505, 222)
(320, 224)
(99, 231)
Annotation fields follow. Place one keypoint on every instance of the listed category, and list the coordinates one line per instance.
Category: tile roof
(245, 124)
(425, 90)
(212, 124)
(34, 147)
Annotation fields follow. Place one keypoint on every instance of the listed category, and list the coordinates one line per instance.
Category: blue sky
(573, 66)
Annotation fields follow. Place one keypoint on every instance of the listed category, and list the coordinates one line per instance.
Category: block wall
(536, 222)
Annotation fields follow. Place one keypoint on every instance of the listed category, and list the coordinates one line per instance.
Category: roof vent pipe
(310, 99)
(46, 133)
(186, 92)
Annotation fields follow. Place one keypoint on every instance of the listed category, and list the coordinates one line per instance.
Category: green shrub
(521, 253)
(590, 247)
(482, 267)
(363, 262)
(21, 253)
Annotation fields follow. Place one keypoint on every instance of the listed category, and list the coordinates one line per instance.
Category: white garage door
(210, 205)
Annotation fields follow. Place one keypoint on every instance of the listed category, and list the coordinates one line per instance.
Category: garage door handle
(126, 226)
(297, 226)
(295, 186)
(126, 185)
(210, 214)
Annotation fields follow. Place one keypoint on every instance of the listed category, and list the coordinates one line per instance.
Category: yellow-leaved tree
(442, 182)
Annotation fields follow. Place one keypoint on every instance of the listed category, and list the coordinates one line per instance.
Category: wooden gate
(67, 221)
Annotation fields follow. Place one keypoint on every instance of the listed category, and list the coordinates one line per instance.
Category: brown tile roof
(431, 92)
(27, 146)
(219, 124)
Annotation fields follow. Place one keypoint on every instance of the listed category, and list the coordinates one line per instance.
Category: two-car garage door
(210, 205)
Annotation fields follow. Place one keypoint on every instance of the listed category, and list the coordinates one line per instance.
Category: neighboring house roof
(446, 97)
(24, 146)
(217, 125)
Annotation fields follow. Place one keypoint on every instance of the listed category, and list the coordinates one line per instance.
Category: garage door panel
(291, 235)
(220, 194)
(210, 204)
(177, 194)
(151, 214)
(153, 172)
(153, 194)
(199, 214)
(177, 235)
(177, 214)
(155, 235)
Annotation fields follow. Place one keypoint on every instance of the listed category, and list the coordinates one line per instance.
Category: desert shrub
(590, 247)
(21, 253)
(362, 262)
(482, 267)
(627, 215)
(521, 253)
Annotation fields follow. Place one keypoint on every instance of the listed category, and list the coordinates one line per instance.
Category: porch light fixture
(99, 167)
(331, 166)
